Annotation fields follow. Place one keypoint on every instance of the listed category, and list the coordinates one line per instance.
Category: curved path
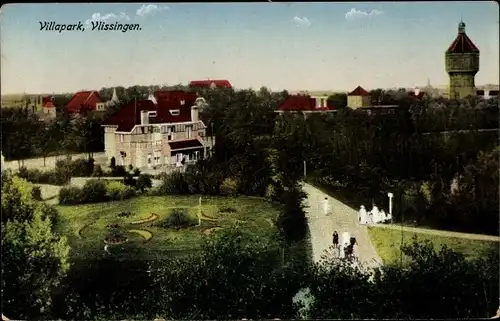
(341, 218)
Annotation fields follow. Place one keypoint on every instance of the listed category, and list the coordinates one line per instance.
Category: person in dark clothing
(336, 241)
(353, 241)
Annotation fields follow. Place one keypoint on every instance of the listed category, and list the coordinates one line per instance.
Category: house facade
(161, 132)
(305, 105)
(358, 98)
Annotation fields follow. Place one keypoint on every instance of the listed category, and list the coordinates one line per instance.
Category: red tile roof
(47, 102)
(191, 143)
(174, 95)
(83, 99)
(301, 103)
(462, 43)
(207, 83)
(130, 115)
(359, 91)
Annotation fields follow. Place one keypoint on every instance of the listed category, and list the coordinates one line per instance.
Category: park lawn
(387, 242)
(86, 225)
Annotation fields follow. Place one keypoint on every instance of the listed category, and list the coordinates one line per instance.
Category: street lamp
(305, 170)
(390, 195)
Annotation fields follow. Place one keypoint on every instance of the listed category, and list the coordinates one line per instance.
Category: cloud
(106, 17)
(302, 22)
(150, 9)
(357, 14)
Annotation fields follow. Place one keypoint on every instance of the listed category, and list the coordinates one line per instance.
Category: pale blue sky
(294, 46)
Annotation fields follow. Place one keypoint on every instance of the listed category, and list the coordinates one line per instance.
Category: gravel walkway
(341, 218)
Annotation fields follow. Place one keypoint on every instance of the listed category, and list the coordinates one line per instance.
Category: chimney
(194, 113)
(144, 117)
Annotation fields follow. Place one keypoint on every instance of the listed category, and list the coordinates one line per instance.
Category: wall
(358, 101)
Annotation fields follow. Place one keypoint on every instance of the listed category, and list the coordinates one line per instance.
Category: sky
(293, 46)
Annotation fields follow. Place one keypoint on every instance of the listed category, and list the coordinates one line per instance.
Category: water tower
(462, 64)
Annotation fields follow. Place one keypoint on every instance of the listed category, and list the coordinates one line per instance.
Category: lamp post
(305, 170)
(390, 195)
(199, 211)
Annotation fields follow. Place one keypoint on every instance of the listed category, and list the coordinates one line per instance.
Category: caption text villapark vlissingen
(94, 26)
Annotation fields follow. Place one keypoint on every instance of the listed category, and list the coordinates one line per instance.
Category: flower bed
(152, 218)
(147, 235)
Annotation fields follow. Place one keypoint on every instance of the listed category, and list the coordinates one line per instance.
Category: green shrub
(174, 183)
(228, 210)
(70, 195)
(36, 192)
(94, 191)
(41, 177)
(98, 172)
(112, 163)
(117, 191)
(229, 187)
(118, 171)
(178, 218)
(143, 182)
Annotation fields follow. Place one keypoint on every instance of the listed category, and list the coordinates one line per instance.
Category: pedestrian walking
(325, 205)
(336, 242)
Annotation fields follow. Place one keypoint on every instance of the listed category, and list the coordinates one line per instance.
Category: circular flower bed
(152, 218)
(208, 230)
(147, 235)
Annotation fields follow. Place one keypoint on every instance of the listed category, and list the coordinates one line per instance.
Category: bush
(228, 210)
(178, 218)
(229, 187)
(143, 182)
(36, 192)
(174, 183)
(292, 221)
(117, 191)
(41, 177)
(137, 172)
(124, 214)
(94, 191)
(98, 172)
(70, 195)
(118, 171)
(112, 163)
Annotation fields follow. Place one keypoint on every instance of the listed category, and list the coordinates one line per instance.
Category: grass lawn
(86, 225)
(387, 242)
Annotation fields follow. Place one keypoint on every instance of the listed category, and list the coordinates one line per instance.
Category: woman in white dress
(375, 215)
(325, 206)
(383, 216)
(363, 216)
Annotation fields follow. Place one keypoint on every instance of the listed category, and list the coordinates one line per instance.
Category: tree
(34, 259)
(337, 100)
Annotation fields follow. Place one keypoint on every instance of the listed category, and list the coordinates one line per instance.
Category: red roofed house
(210, 84)
(48, 109)
(161, 132)
(304, 104)
(358, 98)
(84, 100)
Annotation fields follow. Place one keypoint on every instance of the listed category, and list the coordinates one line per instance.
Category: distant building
(48, 111)
(210, 84)
(462, 64)
(159, 133)
(358, 98)
(304, 104)
(90, 101)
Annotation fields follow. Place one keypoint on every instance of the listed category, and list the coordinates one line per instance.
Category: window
(143, 130)
(196, 155)
(121, 138)
(189, 130)
(175, 112)
(152, 113)
(149, 159)
(156, 129)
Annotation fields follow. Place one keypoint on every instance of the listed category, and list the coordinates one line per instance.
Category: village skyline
(292, 46)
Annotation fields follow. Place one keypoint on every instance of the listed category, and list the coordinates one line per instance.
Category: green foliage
(229, 187)
(178, 218)
(112, 162)
(117, 191)
(36, 193)
(94, 191)
(70, 195)
(292, 221)
(98, 172)
(34, 259)
(143, 182)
